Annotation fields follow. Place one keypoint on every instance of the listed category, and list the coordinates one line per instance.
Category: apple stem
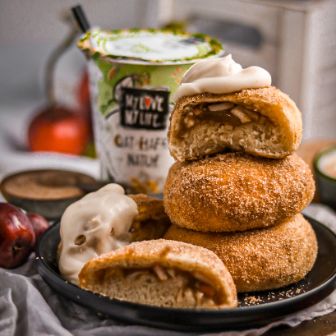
(56, 55)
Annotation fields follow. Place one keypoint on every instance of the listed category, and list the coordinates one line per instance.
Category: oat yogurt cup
(133, 76)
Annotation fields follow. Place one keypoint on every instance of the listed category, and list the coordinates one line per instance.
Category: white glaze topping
(96, 224)
(221, 75)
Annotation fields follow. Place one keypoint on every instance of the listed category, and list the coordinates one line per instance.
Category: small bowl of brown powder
(47, 192)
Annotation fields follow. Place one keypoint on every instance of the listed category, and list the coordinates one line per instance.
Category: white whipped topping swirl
(221, 75)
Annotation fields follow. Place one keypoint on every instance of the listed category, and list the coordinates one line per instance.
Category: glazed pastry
(236, 192)
(161, 273)
(222, 106)
(103, 221)
(260, 259)
(97, 223)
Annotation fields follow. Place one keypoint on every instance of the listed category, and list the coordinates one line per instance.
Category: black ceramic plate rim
(220, 312)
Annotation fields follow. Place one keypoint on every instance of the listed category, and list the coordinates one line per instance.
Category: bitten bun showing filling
(161, 273)
(236, 192)
(226, 107)
(260, 259)
(151, 222)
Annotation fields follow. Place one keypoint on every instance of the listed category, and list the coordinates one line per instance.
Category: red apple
(39, 223)
(17, 237)
(83, 95)
(58, 129)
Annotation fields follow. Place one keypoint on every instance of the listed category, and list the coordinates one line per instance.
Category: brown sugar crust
(167, 254)
(260, 259)
(236, 192)
(277, 138)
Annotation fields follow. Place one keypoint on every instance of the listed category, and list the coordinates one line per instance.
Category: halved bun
(260, 259)
(161, 273)
(262, 122)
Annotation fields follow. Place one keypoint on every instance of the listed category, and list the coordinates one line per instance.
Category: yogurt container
(133, 76)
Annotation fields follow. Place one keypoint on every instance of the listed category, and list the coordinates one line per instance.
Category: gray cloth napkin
(28, 306)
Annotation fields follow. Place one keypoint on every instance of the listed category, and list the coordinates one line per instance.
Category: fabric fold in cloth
(23, 309)
(28, 306)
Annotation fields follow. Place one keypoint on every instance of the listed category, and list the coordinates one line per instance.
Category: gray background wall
(30, 29)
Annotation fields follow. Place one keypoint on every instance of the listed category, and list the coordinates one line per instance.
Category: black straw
(81, 18)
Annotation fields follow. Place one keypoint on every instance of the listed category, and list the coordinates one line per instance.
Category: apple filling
(177, 287)
(211, 128)
(224, 113)
(151, 222)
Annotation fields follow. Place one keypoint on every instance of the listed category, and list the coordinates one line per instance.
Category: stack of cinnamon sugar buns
(237, 187)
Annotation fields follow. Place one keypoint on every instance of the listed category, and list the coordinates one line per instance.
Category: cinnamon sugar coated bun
(236, 192)
(260, 259)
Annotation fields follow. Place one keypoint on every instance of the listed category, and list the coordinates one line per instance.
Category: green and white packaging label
(133, 75)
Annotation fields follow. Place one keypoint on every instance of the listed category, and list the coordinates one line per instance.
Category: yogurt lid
(149, 45)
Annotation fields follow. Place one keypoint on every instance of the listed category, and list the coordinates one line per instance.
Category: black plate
(255, 309)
